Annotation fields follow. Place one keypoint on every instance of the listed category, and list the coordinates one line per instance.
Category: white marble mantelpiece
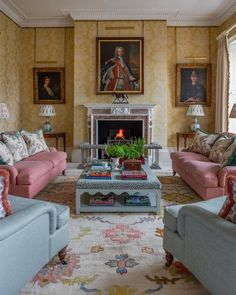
(96, 112)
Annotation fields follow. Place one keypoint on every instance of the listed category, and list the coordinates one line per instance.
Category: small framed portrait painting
(193, 84)
(49, 85)
(119, 66)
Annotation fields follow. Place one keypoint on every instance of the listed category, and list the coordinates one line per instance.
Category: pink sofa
(205, 177)
(32, 174)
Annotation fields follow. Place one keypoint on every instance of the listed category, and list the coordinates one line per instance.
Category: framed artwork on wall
(193, 84)
(49, 85)
(119, 66)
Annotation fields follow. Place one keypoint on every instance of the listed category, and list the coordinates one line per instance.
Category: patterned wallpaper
(75, 49)
(155, 77)
(48, 47)
(10, 72)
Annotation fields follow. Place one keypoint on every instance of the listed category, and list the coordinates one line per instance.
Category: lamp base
(195, 125)
(47, 127)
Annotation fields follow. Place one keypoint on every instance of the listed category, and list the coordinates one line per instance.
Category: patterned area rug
(115, 254)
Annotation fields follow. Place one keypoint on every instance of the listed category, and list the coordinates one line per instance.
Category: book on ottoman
(101, 200)
(133, 174)
(137, 200)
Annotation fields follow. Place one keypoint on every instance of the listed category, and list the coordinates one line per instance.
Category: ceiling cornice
(173, 18)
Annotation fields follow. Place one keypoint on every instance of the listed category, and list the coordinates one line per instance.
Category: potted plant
(115, 152)
(139, 148)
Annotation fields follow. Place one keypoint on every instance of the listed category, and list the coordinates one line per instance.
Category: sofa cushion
(5, 207)
(54, 157)
(171, 212)
(30, 171)
(218, 149)
(16, 145)
(188, 156)
(5, 155)
(205, 173)
(63, 212)
(35, 141)
(203, 142)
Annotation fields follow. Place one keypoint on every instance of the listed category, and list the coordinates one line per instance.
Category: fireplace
(115, 131)
(105, 121)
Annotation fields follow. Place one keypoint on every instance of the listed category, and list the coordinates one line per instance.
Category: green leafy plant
(115, 151)
(139, 146)
(130, 152)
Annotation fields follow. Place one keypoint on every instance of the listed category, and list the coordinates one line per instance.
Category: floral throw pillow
(228, 210)
(218, 149)
(5, 155)
(203, 142)
(229, 156)
(35, 141)
(16, 145)
(5, 207)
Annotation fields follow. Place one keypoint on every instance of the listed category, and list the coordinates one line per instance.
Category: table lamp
(47, 111)
(4, 113)
(195, 110)
(233, 111)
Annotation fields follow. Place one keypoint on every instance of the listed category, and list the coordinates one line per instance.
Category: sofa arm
(13, 172)
(222, 228)
(224, 173)
(53, 149)
(15, 222)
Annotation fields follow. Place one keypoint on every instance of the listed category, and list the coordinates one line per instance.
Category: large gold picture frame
(49, 85)
(119, 66)
(193, 84)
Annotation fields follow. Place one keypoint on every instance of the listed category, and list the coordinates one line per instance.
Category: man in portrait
(192, 90)
(116, 74)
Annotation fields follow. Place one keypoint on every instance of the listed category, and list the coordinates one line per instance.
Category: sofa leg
(64, 172)
(174, 173)
(169, 259)
(62, 255)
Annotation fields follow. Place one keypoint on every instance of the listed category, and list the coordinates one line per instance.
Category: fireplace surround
(138, 115)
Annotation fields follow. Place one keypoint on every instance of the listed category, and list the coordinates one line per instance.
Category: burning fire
(120, 134)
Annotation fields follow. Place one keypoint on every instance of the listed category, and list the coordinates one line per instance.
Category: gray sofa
(204, 242)
(29, 238)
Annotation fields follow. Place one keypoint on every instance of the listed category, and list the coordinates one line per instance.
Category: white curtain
(222, 84)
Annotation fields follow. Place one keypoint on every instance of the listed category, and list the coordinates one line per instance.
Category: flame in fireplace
(120, 134)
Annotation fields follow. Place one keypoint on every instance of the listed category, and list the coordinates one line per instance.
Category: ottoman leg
(62, 255)
(169, 259)
(174, 173)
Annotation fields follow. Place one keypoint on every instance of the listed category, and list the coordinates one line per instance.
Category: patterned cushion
(203, 142)
(5, 155)
(229, 156)
(16, 145)
(218, 149)
(35, 141)
(5, 207)
(228, 211)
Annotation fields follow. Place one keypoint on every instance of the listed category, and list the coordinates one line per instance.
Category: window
(232, 82)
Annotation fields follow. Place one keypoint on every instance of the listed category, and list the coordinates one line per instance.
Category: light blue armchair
(29, 238)
(204, 242)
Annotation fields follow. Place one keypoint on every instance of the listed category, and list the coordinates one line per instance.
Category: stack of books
(98, 172)
(137, 201)
(133, 174)
(101, 200)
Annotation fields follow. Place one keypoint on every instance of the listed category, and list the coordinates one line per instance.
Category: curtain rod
(226, 32)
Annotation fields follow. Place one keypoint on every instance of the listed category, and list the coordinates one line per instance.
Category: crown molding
(117, 14)
(173, 17)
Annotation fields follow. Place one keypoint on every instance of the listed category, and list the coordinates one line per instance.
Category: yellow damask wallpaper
(75, 48)
(184, 43)
(48, 47)
(10, 73)
(155, 76)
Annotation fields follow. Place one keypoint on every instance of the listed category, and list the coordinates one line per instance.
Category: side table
(57, 135)
(185, 136)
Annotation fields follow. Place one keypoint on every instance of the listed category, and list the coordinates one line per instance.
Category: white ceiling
(39, 13)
